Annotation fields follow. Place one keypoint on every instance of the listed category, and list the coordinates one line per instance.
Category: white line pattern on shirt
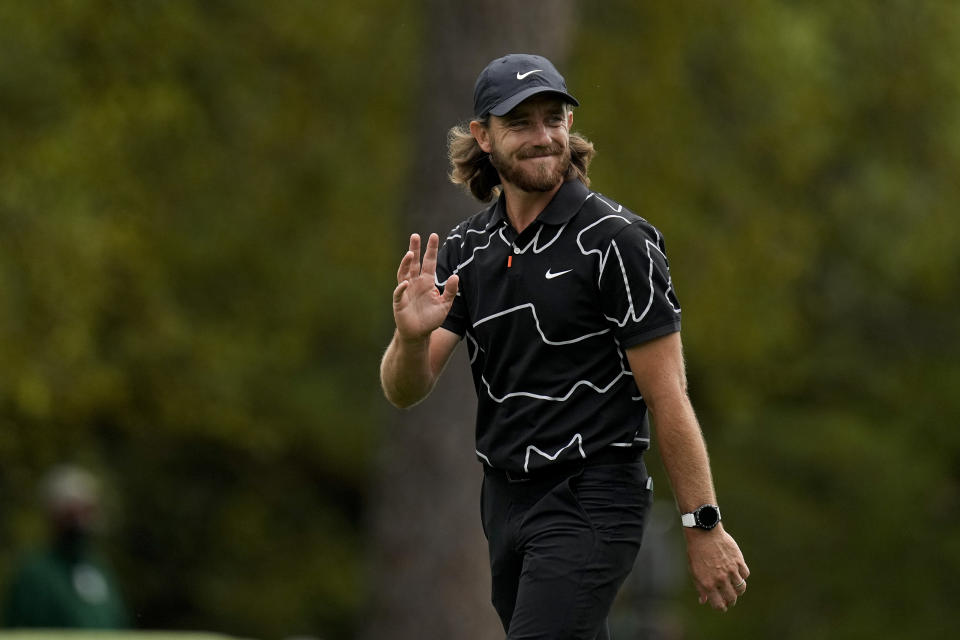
(534, 243)
(498, 228)
(618, 208)
(603, 256)
(577, 438)
(563, 398)
(603, 261)
(536, 322)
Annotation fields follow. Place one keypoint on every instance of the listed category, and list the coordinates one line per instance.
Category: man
(66, 585)
(572, 327)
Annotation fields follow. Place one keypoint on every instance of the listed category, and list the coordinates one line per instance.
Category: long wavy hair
(470, 165)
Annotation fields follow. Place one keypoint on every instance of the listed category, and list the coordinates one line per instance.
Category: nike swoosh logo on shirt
(550, 276)
(521, 76)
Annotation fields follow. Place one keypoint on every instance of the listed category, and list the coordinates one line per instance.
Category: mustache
(541, 152)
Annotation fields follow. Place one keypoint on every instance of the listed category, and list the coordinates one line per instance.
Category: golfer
(572, 325)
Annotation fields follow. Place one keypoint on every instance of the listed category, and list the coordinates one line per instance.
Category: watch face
(708, 517)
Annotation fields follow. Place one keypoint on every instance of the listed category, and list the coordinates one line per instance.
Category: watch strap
(688, 520)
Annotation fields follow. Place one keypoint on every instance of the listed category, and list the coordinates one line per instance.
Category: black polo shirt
(547, 315)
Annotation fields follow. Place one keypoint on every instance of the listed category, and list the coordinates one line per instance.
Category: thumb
(399, 291)
(450, 289)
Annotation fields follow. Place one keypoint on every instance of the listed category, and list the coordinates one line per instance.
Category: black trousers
(561, 547)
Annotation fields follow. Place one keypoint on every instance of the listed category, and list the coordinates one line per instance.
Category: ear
(569, 119)
(481, 135)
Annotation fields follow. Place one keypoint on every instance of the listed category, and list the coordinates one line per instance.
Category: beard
(542, 176)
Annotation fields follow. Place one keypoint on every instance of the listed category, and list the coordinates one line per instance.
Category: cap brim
(504, 107)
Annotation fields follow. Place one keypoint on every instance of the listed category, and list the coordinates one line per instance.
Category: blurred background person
(66, 584)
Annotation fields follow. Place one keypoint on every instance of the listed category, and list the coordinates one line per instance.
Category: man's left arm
(718, 568)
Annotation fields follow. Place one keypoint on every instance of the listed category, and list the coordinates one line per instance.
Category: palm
(418, 307)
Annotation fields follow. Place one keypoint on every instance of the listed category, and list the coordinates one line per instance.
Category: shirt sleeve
(448, 260)
(636, 291)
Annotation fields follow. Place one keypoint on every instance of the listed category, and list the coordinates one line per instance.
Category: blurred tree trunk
(429, 560)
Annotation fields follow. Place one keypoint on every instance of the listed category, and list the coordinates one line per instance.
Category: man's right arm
(420, 347)
(410, 368)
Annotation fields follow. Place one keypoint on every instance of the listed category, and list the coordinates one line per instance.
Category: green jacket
(54, 589)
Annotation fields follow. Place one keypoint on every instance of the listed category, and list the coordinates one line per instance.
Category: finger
(415, 245)
(450, 288)
(398, 292)
(728, 594)
(706, 597)
(716, 597)
(717, 601)
(739, 578)
(414, 267)
(742, 572)
(430, 255)
(403, 273)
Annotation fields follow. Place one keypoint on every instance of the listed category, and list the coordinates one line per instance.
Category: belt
(567, 468)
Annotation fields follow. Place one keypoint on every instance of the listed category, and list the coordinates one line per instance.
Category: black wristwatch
(705, 517)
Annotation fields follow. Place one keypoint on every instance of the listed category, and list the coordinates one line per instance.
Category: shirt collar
(565, 203)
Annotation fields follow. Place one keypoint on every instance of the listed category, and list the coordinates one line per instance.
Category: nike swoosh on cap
(521, 76)
(550, 276)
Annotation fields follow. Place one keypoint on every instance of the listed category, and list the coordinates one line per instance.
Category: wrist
(692, 534)
(411, 341)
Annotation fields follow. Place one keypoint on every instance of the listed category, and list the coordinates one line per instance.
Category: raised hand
(418, 308)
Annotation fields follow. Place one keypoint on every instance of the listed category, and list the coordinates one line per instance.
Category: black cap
(508, 81)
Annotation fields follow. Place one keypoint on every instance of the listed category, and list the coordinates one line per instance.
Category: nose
(541, 134)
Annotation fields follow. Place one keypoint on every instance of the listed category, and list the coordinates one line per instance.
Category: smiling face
(530, 145)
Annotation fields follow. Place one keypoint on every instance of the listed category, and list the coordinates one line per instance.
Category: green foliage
(801, 159)
(192, 199)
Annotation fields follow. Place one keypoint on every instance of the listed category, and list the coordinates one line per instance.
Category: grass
(63, 634)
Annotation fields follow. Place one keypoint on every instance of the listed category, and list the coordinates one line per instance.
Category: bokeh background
(202, 206)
